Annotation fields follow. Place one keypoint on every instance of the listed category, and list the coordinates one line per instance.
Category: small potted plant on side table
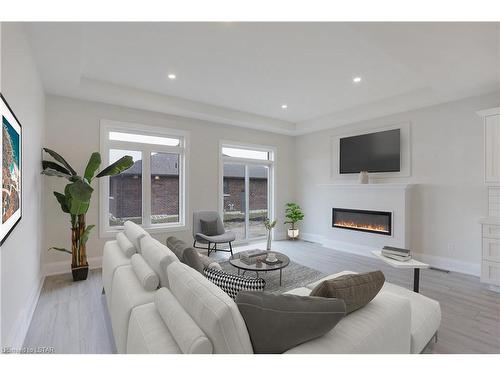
(269, 226)
(294, 214)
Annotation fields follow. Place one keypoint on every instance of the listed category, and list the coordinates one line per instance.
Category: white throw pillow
(186, 333)
(145, 274)
(134, 233)
(158, 257)
(126, 246)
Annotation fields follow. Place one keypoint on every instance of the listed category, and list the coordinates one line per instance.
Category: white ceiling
(241, 73)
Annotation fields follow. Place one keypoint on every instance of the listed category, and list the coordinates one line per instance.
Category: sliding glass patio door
(246, 195)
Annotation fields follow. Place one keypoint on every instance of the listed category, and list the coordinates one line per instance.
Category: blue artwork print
(11, 181)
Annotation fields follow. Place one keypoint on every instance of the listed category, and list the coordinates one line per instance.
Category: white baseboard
(444, 263)
(311, 237)
(58, 268)
(18, 332)
(449, 264)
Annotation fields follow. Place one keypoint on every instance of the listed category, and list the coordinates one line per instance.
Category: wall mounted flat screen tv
(374, 152)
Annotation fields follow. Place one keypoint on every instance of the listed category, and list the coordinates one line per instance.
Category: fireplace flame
(352, 224)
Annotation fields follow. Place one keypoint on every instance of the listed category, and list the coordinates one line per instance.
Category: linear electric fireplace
(379, 222)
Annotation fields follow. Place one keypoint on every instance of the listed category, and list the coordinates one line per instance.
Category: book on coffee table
(250, 256)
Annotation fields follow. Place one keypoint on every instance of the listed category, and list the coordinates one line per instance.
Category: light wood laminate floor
(73, 318)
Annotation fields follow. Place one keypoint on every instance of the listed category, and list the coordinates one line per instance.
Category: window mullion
(146, 185)
(247, 201)
(182, 182)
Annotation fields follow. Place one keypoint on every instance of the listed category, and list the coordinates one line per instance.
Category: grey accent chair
(222, 236)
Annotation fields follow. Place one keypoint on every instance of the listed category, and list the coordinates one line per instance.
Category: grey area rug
(294, 276)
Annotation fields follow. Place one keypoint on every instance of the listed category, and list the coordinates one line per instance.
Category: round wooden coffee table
(282, 262)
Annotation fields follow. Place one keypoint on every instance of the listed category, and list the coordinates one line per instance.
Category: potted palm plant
(75, 201)
(294, 214)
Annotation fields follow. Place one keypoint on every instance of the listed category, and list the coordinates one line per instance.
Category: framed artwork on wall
(11, 172)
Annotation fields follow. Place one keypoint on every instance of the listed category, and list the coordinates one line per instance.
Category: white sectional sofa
(190, 314)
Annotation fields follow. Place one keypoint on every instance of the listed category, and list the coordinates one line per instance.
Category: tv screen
(374, 152)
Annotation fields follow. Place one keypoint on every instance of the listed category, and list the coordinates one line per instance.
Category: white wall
(20, 254)
(73, 131)
(447, 165)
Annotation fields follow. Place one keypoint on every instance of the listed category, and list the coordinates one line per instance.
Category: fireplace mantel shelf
(367, 186)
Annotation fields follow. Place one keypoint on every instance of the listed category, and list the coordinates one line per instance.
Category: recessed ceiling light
(356, 79)
(284, 106)
(172, 76)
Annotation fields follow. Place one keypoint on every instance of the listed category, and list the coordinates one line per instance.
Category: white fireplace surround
(392, 198)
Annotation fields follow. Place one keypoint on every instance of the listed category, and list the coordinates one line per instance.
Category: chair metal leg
(208, 249)
(194, 244)
(231, 249)
(215, 247)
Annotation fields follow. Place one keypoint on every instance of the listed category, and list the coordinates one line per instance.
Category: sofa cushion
(112, 258)
(209, 227)
(425, 312)
(127, 294)
(187, 334)
(212, 309)
(145, 274)
(148, 334)
(356, 290)
(233, 284)
(425, 315)
(302, 291)
(278, 322)
(125, 244)
(158, 256)
(134, 233)
(382, 326)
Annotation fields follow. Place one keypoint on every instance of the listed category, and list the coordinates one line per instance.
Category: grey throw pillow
(356, 290)
(177, 246)
(278, 322)
(193, 260)
(209, 227)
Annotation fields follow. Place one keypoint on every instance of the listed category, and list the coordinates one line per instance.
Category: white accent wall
(447, 167)
(73, 131)
(21, 276)
(393, 198)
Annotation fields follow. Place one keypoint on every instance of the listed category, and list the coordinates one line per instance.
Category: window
(233, 152)
(247, 189)
(150, 193)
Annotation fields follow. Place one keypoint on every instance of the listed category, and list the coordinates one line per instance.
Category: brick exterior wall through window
(126, 195)
(234, 194)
